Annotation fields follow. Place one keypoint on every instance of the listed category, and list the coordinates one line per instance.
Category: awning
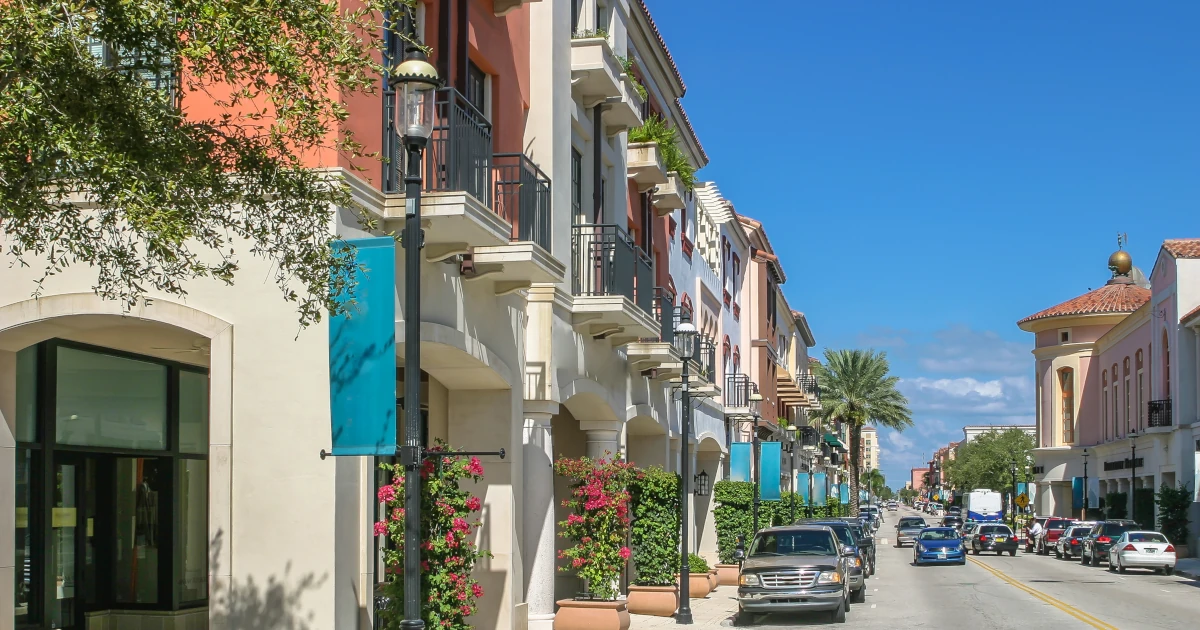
(833, 440)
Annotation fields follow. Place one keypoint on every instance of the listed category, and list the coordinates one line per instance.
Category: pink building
(1116, 388)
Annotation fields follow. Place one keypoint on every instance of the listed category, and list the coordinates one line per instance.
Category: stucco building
(1117, 380)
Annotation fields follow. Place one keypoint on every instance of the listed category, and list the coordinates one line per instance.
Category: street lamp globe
(416, 79)
(685, 339)
(755, 402)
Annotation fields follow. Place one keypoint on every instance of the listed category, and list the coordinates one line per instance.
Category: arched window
(1128, 398)
(726, 350)
(1066, 382)
(737, 361)
(1166, 367)
(1104, 402)
(1113, 402)
(1141, 392)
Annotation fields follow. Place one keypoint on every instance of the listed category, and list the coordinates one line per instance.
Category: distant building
(917, 481)
(870, 449)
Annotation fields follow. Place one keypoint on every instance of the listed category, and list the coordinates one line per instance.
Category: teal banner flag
(844, 493)
(802, 486)
(1077, 493)
(362, 354)
(739, 461)
(772, 455)
(820, 488)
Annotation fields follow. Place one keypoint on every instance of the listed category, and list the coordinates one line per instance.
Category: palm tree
(856, 389)
(873, 480)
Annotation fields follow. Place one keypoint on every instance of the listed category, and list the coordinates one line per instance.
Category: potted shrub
(598, 525)
(733, 518)
(698, 584)
(654, 535)
(448, 521)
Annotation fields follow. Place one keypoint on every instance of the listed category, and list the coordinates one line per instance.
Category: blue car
(939, 545)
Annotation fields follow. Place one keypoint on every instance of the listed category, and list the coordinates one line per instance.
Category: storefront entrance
(111, 489)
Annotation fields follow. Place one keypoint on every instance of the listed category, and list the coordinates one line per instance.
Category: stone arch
(588, 401)
(457, 359)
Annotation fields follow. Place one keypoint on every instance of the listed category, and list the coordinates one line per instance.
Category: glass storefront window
(139, 535)
(192, 554)
(105, 400)
(27, 395)
(193, 412)
(23, 567)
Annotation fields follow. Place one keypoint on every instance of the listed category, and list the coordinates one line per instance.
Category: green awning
(833, 440)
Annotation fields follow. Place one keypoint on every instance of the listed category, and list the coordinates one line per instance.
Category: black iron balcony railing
(738, 388)
(808, 383)
(607, 262)
(706, 358)
(459, 155)
(809, 436)
(522, 197)
(1159, 413)
(664, 302)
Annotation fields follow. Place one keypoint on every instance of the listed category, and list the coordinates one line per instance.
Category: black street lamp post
(812, 454)
(1085, 485)
(685, 341)
(792, 470)
(1132, 473)
(417, 79)
(755, 403)
(1012, 497)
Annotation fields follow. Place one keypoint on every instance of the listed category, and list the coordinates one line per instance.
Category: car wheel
(1094, 560)
(1013, 552)
(1083, 559)
(839, 615)
(1168, 570)
(1057, 553)
(999, 553)
(1111, 568)
(1120, 567)
(859, 596)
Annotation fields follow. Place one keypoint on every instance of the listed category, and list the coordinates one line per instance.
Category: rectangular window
(576, 185)
(193, 412)
(648, 217)
(23, 561)
(140, 535)
(191, 554)
(1128, 406)
(27, 394)
(106, 400)
(1067, 384)
(477, 89)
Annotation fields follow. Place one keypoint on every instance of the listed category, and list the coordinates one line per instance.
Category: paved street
(1026, 592)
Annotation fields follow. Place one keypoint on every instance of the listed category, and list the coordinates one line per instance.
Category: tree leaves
(154, 185)
(986, 461)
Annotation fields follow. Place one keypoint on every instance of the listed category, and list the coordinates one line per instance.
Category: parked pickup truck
(1052, 530)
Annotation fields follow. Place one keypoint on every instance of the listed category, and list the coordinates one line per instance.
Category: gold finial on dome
(1120, 263)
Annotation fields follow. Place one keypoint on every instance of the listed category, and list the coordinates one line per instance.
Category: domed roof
(1121, 294)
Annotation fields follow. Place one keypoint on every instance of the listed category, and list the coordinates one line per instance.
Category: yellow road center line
(1067, 608)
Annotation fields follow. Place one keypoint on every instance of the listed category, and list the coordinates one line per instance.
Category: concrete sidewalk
(714, 611)
(1188, 568)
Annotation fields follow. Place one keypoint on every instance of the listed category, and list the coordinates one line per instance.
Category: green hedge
(654, 533)
(734, 513)
(1116, 505)
(1173, 506)
(1143, 507)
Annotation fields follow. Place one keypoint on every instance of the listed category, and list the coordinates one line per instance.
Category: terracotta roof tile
(1183, 247)
(662, 42)
(1194, 313)
(1115, 297)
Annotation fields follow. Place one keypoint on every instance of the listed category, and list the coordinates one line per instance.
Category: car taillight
(1074, 541)
(983, 539)
(1129, 547)
(1104, 539)
(1170, 549)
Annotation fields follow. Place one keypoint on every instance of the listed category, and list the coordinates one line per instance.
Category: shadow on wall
(276, 604)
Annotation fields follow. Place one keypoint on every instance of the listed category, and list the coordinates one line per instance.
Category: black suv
(845, 534)
(1097, 542)
(864, 539)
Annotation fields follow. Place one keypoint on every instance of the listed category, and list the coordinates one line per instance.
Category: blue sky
(932, 172)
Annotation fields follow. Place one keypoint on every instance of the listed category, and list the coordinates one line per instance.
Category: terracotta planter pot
(698, 585)
(727, 574)
(591, 615)
(713, 581)
(660, 601)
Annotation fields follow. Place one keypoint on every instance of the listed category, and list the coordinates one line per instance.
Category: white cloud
(963, 350)
(1002, 397)
(899, 441)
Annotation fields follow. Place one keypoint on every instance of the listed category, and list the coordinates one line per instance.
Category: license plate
(1001, 539)
(1151, 550)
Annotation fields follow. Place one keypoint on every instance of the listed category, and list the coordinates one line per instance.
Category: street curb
(1188, 574)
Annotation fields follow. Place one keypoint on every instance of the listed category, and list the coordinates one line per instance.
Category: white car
(1146, 550)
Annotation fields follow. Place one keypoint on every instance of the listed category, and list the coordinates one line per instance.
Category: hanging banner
(820, 488)
(844, 493)
(862, 496)
(771, 454)
(362, 355)
(1077, 493)
(802, 481)
(739, 461)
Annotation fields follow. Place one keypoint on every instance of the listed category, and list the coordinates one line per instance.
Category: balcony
(627, 113)
(705, 368)
(595, 72)
(1158, 413)
(668, 197)
(492, 208)
(613, 283)
(737, 392)
(645, 165)
(657, 354)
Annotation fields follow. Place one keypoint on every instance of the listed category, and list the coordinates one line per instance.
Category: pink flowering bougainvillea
(598, 522)
(449, 517)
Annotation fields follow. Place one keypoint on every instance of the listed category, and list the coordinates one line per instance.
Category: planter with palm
(857, 389)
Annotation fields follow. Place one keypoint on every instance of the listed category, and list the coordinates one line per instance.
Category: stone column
(603, 438)
(537, 538)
